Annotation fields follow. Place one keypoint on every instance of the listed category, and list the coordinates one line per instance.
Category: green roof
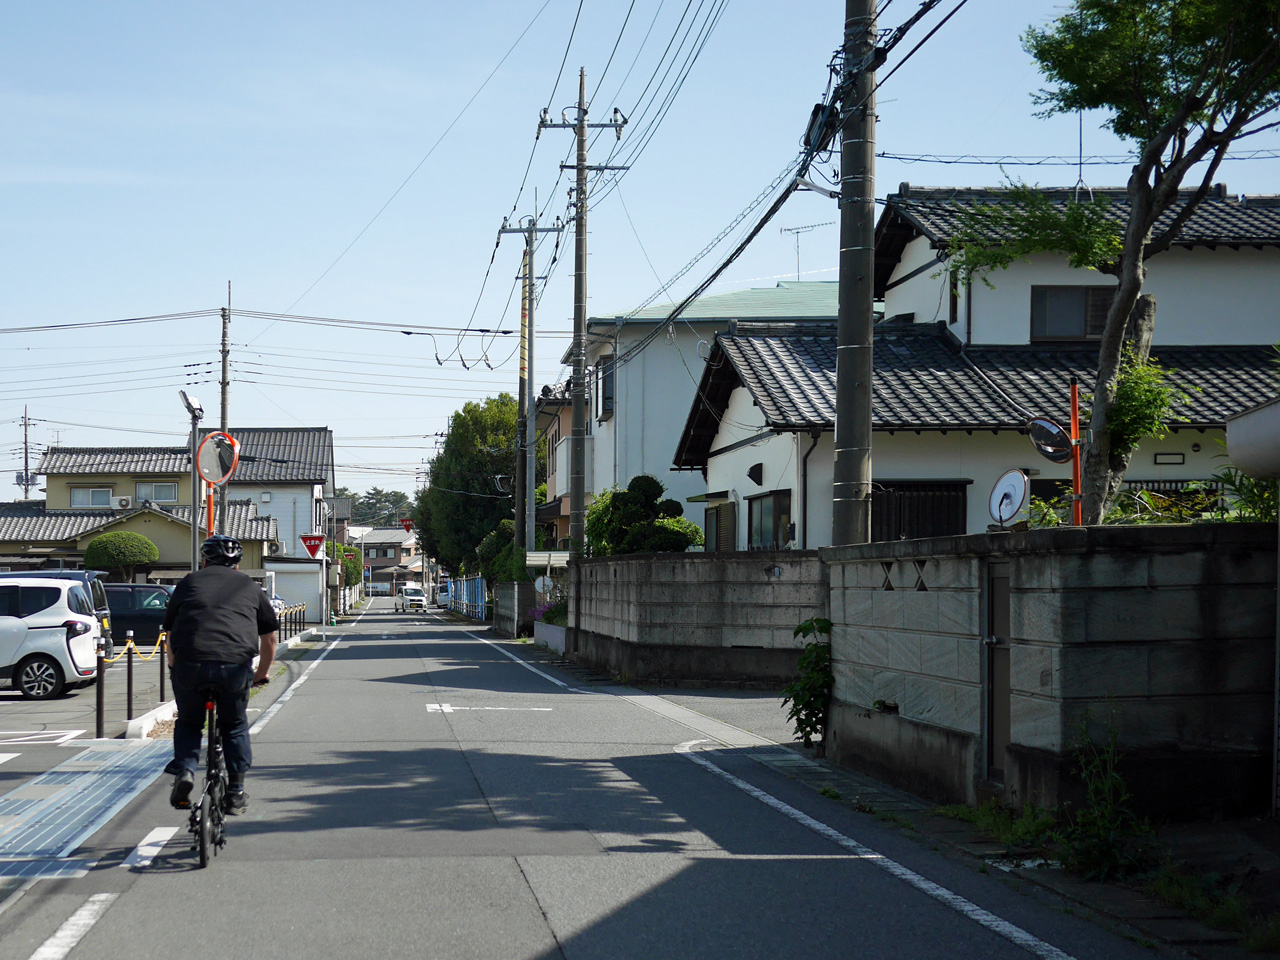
(789, 300)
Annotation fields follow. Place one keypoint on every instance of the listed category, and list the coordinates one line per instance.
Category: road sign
(407, 523)
(312, 542)
(217, 458)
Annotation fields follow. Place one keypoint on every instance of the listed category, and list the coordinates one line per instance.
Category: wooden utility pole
(851, 509)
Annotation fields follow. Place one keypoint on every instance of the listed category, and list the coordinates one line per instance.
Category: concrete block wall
(1166, 635)
(696, 616)
(511, 605)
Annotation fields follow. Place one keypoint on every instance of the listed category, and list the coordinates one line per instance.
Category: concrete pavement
(424, 792)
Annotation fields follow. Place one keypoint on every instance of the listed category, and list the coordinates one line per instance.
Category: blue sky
(154, 152)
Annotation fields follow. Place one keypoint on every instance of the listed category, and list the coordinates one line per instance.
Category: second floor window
(604, 377)
(91, 496)
(159, 492)
(1069, 313)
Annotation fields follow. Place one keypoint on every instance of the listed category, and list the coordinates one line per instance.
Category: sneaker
(180, 795)
(237, 801)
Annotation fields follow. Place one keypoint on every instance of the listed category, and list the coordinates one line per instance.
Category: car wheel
(39, 678)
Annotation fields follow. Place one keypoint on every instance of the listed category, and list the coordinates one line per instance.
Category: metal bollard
(161, 643)
(128, 663)
(102, 690)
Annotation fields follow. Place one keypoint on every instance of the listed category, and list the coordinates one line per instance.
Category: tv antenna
(807, 228)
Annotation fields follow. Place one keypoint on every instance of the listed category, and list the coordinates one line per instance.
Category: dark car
(139, 607)
(94, 582)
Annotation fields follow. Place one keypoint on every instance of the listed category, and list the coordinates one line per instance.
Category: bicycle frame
(208, 819)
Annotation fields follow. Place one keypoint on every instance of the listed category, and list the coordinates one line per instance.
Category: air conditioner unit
(274, 549)
(122, 503)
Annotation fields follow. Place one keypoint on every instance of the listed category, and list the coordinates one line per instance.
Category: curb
(140, 728)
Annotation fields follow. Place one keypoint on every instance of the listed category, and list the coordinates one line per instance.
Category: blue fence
(470, 597)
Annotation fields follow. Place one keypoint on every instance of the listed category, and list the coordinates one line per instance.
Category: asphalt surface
(425, 793)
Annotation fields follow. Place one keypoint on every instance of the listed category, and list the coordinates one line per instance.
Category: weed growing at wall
(810, 692)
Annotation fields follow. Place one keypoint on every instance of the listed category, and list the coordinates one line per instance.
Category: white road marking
(272, 710)
(39, 736)
(449, 708)
(76, 926)
(526, 664)
(967, 908)
(149, 848)
(6, 757)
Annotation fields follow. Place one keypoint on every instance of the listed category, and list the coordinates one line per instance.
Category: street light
(197, 413)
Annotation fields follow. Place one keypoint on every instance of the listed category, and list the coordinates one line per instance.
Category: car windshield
(412, 591)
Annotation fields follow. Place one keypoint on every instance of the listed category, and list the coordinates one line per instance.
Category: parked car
(48, 635)
(411, 597)
(442, 594)
(139, 607)
(94, 582)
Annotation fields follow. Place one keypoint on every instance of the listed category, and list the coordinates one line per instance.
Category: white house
(288, 473)
(957, 378)
(643, 374)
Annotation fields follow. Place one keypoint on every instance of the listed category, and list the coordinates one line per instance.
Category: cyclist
(217, 619)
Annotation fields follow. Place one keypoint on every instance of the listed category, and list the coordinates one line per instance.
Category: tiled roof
(1218, 382)
(243, 521)
(923, 382)
(29, 521)
(81, 460)
(1219, 218)
(386, 536)
(283, 454)
(789, 300)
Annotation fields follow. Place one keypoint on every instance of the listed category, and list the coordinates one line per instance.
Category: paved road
(426, 793)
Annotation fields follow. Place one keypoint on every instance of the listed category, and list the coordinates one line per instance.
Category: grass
(830, 792)
(1199, 895)
(1263, 935)
(1029, 828)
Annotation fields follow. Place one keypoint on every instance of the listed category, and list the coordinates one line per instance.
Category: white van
(411, 597)
(48, 635)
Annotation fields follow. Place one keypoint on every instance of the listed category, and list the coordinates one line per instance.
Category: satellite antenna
(1050, 440)
(1008, 496)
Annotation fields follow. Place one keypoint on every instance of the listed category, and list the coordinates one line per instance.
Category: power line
(160, 318)
(998, 160)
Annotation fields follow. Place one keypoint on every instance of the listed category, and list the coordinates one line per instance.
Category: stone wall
(511, 605)
(1164, 635)
(695, 616)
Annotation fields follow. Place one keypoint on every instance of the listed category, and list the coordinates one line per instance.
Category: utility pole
(526, 428)
(26, 455)
(851, 509)
(226, 387)
(578, 442)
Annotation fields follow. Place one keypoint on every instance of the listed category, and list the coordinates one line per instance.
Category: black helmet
(222, 550)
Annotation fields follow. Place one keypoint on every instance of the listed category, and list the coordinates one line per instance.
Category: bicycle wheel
(204, 835)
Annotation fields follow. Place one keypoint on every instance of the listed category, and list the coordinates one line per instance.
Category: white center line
(967, 908)
(75, 927)
(149, 848)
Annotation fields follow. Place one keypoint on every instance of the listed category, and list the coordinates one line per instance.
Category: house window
(604, 379)
(769, 521)
(1069, 313)
(90, 496)
(720, 525)
(911, 510)
(159, 492)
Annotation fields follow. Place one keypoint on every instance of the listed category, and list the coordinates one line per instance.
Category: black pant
(231, 683)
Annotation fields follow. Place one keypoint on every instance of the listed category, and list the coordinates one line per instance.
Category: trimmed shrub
(120, 552)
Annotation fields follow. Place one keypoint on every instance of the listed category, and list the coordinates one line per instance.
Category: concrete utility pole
(226, 387)
(851, 509)
(26, 455)
(578, 443)
(526, 429)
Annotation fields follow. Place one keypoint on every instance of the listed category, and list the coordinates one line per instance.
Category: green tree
(469, 492)
(351, 558)
(120, 553)
(637, 520)
(380, 508)
(1181, 80)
